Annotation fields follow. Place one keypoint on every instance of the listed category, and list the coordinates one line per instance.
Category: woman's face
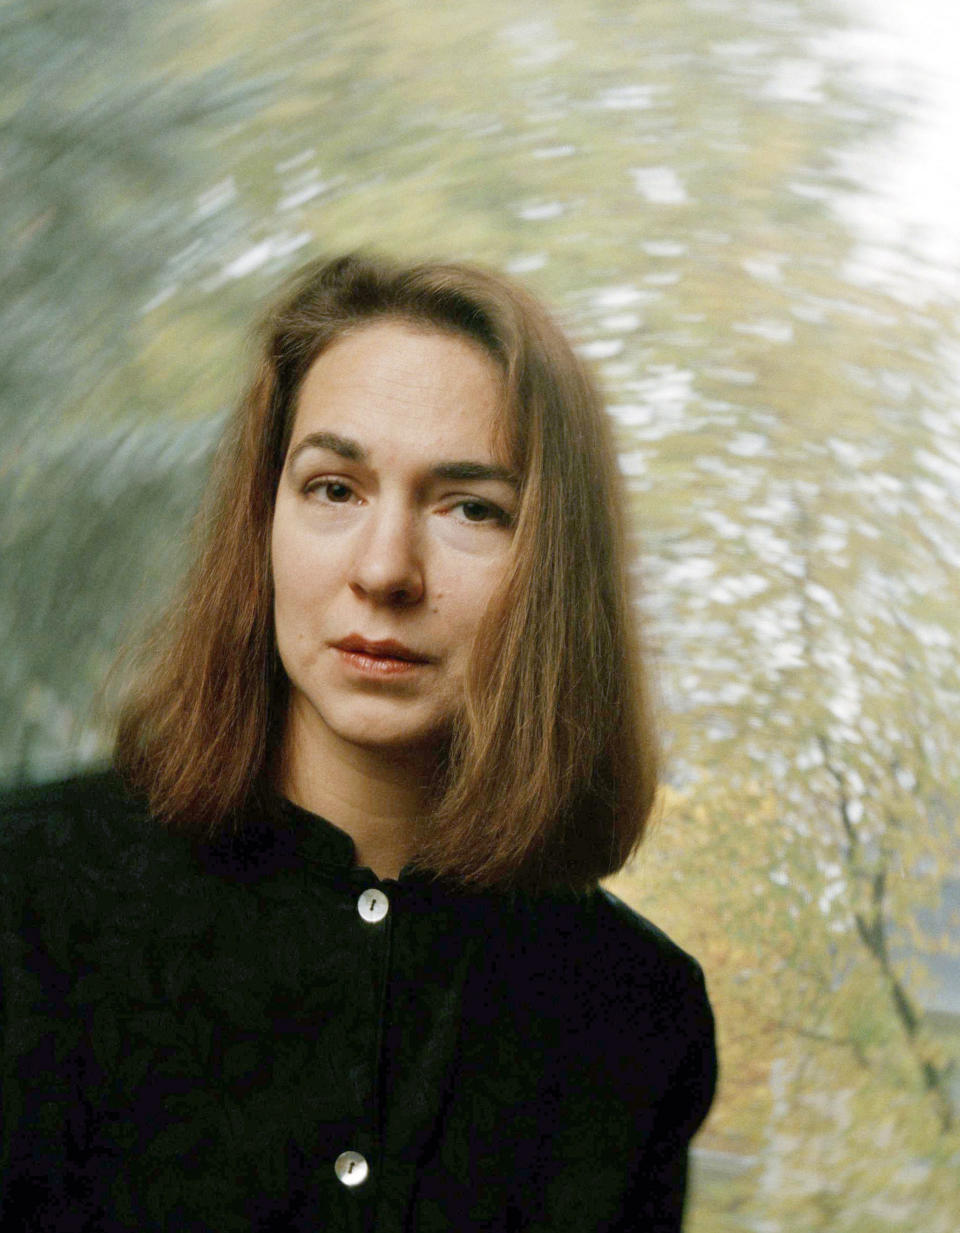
(392, 531)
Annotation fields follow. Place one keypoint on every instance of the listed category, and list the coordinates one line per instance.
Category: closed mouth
(386, 649)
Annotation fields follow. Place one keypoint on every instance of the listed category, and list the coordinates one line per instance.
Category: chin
(375, 733)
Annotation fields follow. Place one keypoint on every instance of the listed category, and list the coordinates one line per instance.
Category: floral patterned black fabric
(223, 1036)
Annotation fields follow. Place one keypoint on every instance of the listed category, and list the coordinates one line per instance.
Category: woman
(328, 952)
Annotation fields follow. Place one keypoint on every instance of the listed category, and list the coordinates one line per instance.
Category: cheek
(277, 551)
(289, 563)
(298, 596)
(474, 602)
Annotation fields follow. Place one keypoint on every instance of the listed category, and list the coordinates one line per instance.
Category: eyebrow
(474, 471)
(343, 446)
(353, 451)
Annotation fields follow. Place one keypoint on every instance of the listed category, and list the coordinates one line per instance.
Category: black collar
(271, 834)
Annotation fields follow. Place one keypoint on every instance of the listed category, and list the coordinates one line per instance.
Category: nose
(387, 563)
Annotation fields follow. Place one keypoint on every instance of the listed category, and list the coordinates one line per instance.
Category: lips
(387, 649)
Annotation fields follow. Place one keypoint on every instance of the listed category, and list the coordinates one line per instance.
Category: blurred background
(747, 213)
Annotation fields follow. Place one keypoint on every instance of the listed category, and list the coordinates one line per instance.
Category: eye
(334, 491)
(474, 510)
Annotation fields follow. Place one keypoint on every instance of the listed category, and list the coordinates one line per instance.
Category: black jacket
(224, 1036)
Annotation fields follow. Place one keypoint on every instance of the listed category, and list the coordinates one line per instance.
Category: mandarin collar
(271, 835)
(315, 838)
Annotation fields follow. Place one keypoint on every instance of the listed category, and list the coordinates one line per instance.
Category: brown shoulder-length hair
(550, 775)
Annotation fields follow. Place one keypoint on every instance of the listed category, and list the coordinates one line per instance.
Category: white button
(373, 905)
(351, 1168)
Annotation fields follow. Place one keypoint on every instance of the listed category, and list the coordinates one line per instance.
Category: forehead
(394, 382)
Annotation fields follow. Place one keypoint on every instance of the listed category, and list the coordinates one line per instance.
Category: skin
(392, 523)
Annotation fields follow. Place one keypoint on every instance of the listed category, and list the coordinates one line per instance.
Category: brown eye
(337, 492)
(482, 512)
(334, 491)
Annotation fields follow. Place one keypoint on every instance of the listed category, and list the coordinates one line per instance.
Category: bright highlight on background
(912, 176)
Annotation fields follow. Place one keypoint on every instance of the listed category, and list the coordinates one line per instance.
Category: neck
(375, 795)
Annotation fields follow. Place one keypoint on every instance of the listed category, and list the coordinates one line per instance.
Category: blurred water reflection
(729, 204)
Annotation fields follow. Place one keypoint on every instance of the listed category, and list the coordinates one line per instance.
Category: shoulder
(613, 962)
(598, 986)
(641, 956)
(622, 926)
(600, 930)
(39, 813)
(96, 789)
(77, 830)
(638, 940)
